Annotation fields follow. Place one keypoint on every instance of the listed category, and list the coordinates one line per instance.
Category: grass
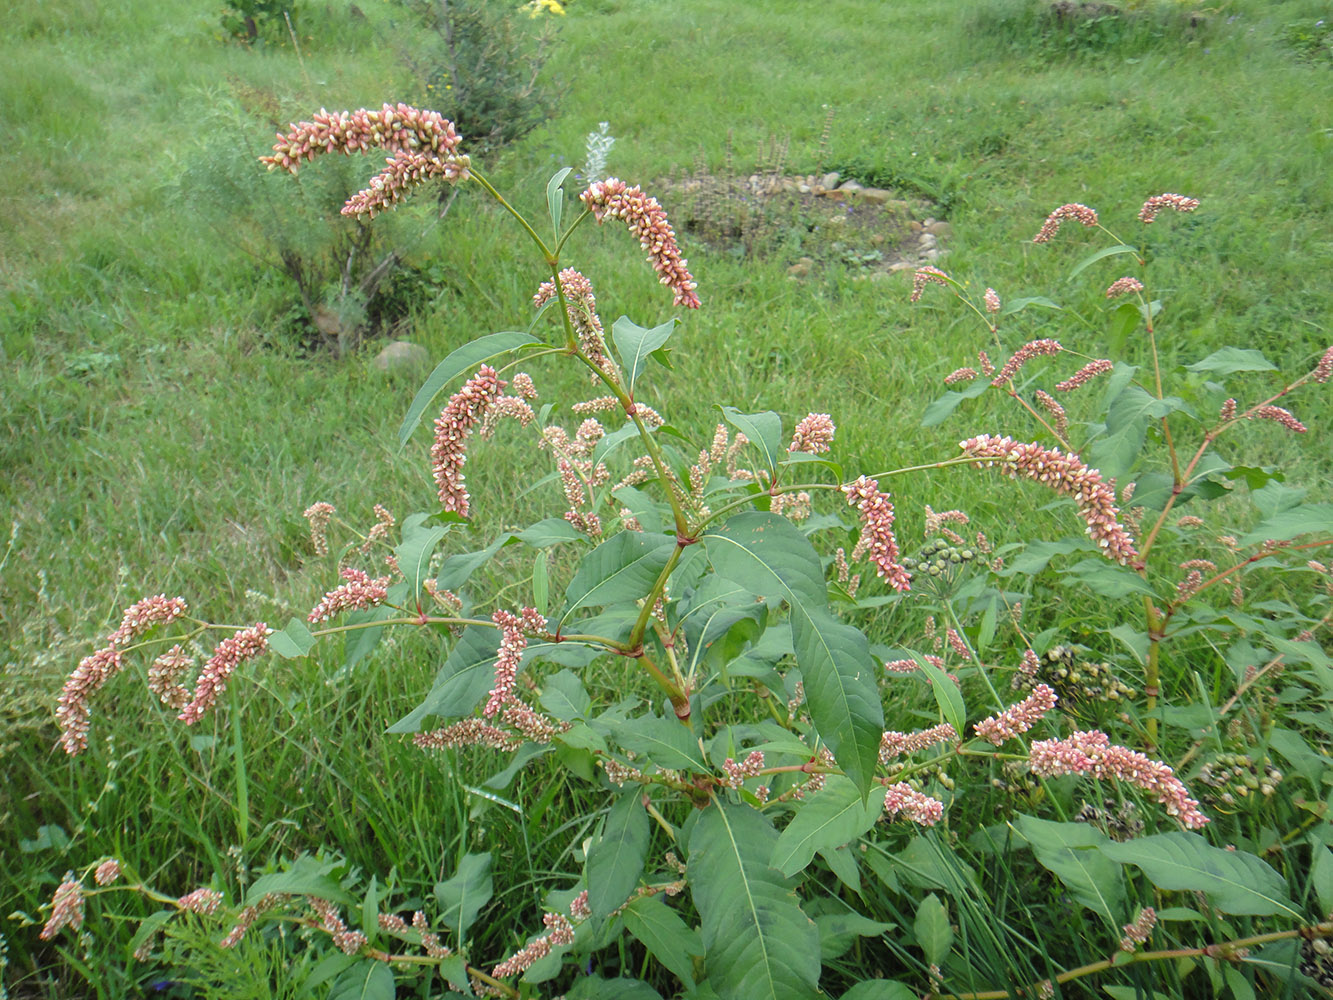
(159, 432)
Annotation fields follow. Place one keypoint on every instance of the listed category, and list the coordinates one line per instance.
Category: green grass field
(162, 427)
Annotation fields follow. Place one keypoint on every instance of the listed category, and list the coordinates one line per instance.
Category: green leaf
(610, 442)
(366, 980)
(1127, 420)
(836, 816)
(615, 861)
(459, 361)
(634, 344)
(839, 931)
(1036, 555)
(541, 583)
(594, 987)
(1134, 993)
(668, 743)
(665, 935)
(564, 697)
(1321, 877)
(879, 989)
(1233, 359)
(459, 567)
(555, 198)
(1092, 258)
(947, 696)
(370, 910)
(1288, 524)
(940, 409)
(414, 551)
(620, 570)
(760, 946)
(361, 642)
(1018, 305)
(462, 896)
(551, 531)
(1108, 579)
(1069, 851)
(306, 876)
(764, 431)
(293, 641)
(1124, 318)
(934, 935)
(1234, 881)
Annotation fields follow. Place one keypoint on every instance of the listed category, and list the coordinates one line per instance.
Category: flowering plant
(749, 782)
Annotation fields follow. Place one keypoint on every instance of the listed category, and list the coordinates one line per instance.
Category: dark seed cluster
(1235, 777)
(1118, 820)
(1317, 961)
(1077, 680)
(937, 559)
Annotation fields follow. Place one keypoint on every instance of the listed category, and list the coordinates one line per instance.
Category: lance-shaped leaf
(615, 861)
(1233, 359)
(366, 980)
(462, 896)
(293, 641)
(933, 931)
(459, 361)
(634, 344)
(764, 431)
(1069, 851)
(836, 816)
(664, 742)
(769, 555)
(760, 946)
(555, 198)
(620, 570)
(1233, 881)
(667, 937)
(414, 551)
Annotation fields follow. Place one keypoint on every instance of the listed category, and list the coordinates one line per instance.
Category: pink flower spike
(452, 427)
(814, 434)
(920, 808)
(204, 902)
(1085, 375)
(357, 594)
(1092, 753)
(1017, 718)
(960, 375)
(928, 275)
(1030, 350)
(107, 872)
(66, 908)
(73, 709)
(877, 517)
(992, 301)
(1124, 286)
(229, 654)
(1324, 370)
(1081, 213)
(140, 617)
(318, 514)
(1155, 204)
(1067, 475)
(581, 308)
(647, 220)
(1280, 416)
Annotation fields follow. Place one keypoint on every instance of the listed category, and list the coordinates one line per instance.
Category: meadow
(167, 413)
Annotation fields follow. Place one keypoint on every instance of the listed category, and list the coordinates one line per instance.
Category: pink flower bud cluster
(1030, 350)
(992, 301)
(73, 709)
(1017, 718)
(384, 522)
(514, 631)
(1057, 412)
(1067, 475)
(876, 509)
(923, 276)
(748, 768)
(960, 375)
(1084, 375)
(814, 434)
(1092, 753)
(647, 220)
(1139, 929)
(348, 941)
(249, 915)
(107, 872)
(1124, 286)
(204, 902)
(895, 744)
(957, 644)
(357, 594)
(531, 724)
(1155, 204)
(66, 908)
(318, 514)
(229, 654)
(467, 733)
(911, 666)
(581, 308)
(902, 799)
(1028, 668)
(1080, 213)
(1279, 416)
(935, 521)
(559, 932)
(424, 145)
(1324, 370)
(452, 427)
(430, 941)
(164, 675)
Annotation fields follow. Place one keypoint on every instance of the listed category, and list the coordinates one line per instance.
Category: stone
(931, 255)
(875, 196)
(940, 229)
(915, 226)
(802, 268)
(830, 180)
(928, 242)
(401, 356)
(850, 186)
(804, 188)
(902, 265)
(927, 222)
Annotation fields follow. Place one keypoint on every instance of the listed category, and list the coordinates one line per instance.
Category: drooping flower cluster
(514, 631)
(73, 709)
(452, 427)
(348, 941)
(1324, 370)
(559, 932)
(1124, 286)
(1057, 412)
(902, 799)
(1155, 204)
(423, 144)
(927, 275)
(1081, 213)
(1092, 753)
(66, 908)
(1018, 718)
(895, 744)
(430, 941)
(229, 654)
(814, 434)
(318, 514)
(992, 301)
(1139, 929)
(960, 375)
(357, 594)
(249, 915)
(647, 220)
(1084, 375)
(1279, 416)
(164, 675)
(877, 538)
(467, 733)
(107, 872)
(1067, 475)
(204, 902)
(748, 768)
(384, 522)
(1030, 350)
(581, 308)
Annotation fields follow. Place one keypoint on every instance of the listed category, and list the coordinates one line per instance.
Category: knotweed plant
(771, 792)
